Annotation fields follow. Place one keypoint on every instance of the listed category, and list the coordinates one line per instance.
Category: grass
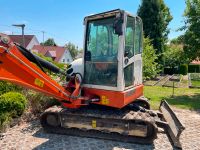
(195, 83)
(183, 97)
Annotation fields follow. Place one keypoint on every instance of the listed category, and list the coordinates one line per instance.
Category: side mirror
(126, 53)
(118, 24)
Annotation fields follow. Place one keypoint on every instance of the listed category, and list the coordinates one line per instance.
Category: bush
(7, 87)
(4, 118)
(183, 69)
(149, 57)
(38, 102)
(13, 103)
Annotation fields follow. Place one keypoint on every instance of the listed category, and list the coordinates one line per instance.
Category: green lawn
(183, 98)
(195, 83)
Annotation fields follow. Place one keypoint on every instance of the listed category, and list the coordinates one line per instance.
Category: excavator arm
(16, 66)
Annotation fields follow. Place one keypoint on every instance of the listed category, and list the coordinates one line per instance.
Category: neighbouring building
(194, 66)
(57, 53)
(195, 62)
(30, 40)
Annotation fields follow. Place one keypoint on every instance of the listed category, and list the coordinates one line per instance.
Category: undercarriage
(130, 124)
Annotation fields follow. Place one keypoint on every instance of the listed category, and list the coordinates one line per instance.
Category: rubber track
(137, 116)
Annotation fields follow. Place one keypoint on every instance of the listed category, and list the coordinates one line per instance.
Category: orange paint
(115, 98)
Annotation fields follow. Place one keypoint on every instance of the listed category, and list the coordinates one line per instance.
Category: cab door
(132, 52)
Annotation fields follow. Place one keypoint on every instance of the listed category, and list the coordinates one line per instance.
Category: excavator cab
(112, 55)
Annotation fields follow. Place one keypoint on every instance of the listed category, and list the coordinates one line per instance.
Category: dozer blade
(173, 125)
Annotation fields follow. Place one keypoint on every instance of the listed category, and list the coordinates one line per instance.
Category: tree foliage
(192, 26)
(174, 55)
(156, 17)
(49, 42)
(178, 41)
(150, 66)
(73, 49)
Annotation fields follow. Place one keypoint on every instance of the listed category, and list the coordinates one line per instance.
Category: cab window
(129, 37)
(138, 36)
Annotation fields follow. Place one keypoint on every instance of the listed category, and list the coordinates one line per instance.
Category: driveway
(31, 136)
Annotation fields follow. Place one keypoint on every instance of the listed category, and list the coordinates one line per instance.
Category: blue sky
(63, 19)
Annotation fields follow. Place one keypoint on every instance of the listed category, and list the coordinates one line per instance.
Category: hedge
(194, 68)
(183, 69)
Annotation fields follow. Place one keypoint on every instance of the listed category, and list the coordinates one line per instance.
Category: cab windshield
(101, 53)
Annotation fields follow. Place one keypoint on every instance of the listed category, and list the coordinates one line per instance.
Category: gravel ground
(31, 136)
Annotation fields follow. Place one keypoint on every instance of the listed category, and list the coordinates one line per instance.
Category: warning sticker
(94, 123)
(104, 100)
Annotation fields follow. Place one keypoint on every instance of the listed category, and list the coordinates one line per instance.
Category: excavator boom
(16, 67)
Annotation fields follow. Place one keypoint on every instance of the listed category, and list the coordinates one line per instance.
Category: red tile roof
(44, 49)
(195, 62)
(18, 39)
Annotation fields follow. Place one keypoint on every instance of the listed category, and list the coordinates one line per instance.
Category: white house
(57, 53)
(30, 40)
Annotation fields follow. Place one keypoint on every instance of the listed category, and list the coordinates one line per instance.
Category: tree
(49, 42)
(149, 57)
(192, 27)
(178, 41)
(73, 49)
(174, 55)
(156, 17)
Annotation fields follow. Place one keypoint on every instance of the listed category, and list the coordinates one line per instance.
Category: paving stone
(28, 136)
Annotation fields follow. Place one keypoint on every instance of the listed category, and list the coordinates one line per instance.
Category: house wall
(66, 58)
(33, 42)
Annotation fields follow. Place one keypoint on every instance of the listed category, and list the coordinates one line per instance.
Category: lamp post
(21, 26)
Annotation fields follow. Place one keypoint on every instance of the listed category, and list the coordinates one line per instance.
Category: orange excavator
(103, 93)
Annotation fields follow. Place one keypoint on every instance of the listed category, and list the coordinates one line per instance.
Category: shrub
(7, 87)
(38, 102)
(149, 57)
(4, 119)
(183, 69)
(13, 103)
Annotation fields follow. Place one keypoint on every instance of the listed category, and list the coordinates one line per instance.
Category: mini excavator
(103, 93)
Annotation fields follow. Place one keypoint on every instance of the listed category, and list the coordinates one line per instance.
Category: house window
(67, 60)
(63, 60)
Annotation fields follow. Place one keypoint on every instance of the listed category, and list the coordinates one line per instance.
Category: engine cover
(76, 66)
